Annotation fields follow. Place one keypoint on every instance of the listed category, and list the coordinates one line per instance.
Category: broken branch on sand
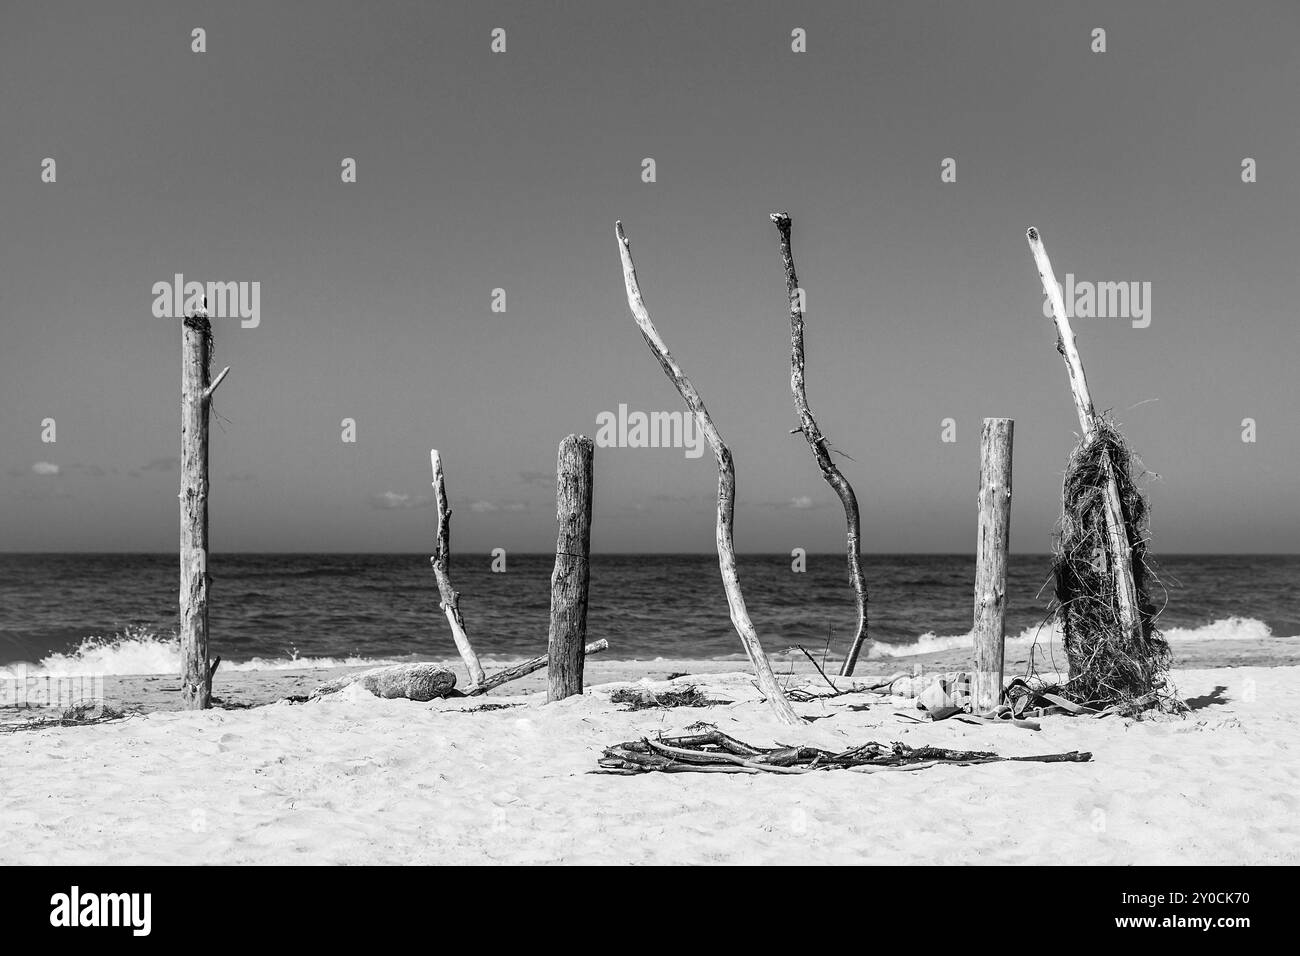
(716, 752)
(524, 669)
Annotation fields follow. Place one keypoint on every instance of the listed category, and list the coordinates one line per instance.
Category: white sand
(355, 779)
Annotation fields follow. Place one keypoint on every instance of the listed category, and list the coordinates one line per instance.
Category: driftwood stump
(991, 561)
(196, 399)
(569, 580)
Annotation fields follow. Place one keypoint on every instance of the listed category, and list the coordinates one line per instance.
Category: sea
(117, 613)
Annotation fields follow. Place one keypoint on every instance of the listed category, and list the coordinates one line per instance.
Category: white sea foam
(140, 651)
(1228, 629)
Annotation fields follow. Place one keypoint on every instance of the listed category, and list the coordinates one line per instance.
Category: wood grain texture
(196, 398)
(574, 482)
(991, 561)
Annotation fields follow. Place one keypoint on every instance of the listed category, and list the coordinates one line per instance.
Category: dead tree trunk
(819, 445)
(1121, 558)
(441, 561)
(569, 580)
(524, 669)
(196, 399)
(991, 561)
(726, 490)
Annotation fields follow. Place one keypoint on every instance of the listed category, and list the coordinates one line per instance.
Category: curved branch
(726, 490)
(817, 442)
(441, 559)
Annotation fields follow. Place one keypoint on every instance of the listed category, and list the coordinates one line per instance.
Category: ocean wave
(1227, 629)
(140, 651)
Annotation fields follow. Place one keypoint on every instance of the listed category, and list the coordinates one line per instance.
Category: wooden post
(819, 445)
(1121, 557)
(991, 561)
(726, 490)
(196, 400)
(441, 561)
(568, 635)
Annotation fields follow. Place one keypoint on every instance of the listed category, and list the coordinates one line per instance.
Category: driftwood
(569, 579)
(523, 670)
(715, 752)
(1121, 559)
(991, 561)
(820, 447)
(422, 681)
(196, 399)
(726, 489)
(441, 561)
(412, 681)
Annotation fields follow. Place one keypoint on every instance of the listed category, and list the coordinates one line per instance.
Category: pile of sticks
(715, 752)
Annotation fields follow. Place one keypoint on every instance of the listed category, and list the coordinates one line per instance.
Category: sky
(479, 170)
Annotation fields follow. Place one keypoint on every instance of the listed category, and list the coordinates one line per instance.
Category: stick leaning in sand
(450, 603)
(726, 489)
(819, 445)
(1117, 537)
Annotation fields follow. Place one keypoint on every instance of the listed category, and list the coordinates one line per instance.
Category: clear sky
(478, 171)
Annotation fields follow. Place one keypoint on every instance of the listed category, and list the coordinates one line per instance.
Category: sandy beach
(505, 778)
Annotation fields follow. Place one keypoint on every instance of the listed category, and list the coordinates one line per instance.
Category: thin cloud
(485, 507)
(162, 464)
(536, 478)
(392, 501)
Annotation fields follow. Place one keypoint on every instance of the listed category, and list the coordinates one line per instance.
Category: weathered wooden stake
(441, 561)
(991, 560)
(1121, 557)
(196, 400)
(819, 445)
(573, 487)
(726, 490)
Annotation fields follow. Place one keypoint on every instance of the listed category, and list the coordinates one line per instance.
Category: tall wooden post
(991, 560)
(196, 399)
(568, 635)
(1121, 556)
